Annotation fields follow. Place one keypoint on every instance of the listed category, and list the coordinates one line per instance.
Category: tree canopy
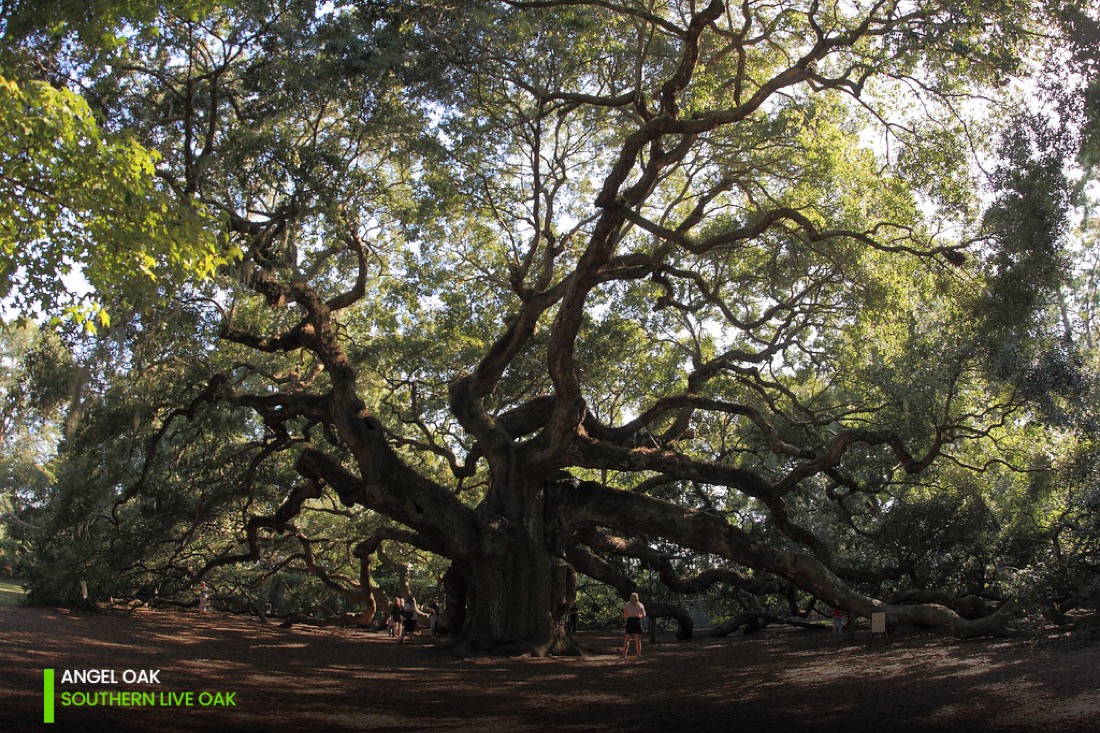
(755, 296)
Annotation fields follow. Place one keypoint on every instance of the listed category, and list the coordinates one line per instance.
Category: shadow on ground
(319, 680)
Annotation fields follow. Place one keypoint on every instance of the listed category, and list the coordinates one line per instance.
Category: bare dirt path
(320, 680)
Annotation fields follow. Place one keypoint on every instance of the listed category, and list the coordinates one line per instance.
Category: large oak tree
(549, 284)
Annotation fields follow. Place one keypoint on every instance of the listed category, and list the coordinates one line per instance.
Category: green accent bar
(47, 696)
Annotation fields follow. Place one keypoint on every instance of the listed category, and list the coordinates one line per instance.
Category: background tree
(31, 424)
(1062, 514)
(544, 288)
(70, 195)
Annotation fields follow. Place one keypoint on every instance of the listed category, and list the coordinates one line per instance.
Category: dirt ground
(316, 680)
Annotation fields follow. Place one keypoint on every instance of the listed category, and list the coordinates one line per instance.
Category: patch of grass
(11, 593)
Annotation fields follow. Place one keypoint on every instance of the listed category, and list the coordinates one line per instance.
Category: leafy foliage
(78, 202)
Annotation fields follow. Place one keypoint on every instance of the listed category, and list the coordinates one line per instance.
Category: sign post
(878, 624)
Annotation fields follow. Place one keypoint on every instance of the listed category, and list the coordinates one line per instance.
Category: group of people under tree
(404, 617)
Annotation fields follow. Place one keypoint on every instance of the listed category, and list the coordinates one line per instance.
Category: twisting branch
(608, 544)
(589, 506)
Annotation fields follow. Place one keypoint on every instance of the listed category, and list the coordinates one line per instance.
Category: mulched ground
(318, 680)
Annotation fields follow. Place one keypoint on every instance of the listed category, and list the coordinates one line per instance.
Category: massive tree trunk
(518, 589)
(509, 601)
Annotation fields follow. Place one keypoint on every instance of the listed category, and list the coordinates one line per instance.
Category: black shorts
(633, 625)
